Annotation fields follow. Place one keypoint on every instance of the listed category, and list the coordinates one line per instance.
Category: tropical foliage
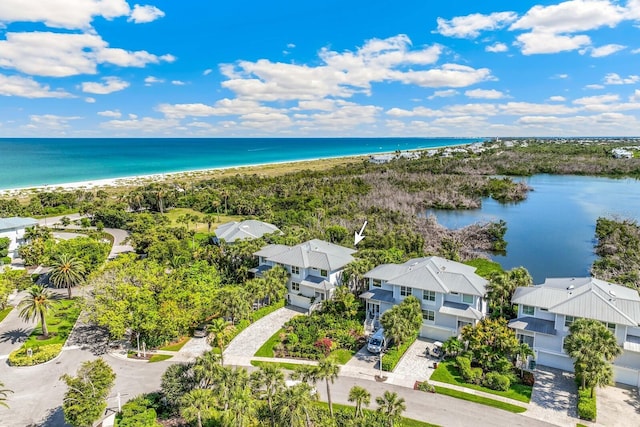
(618, 248)
(402, 321)
(36, 304)
(500, 290)
(67, 272)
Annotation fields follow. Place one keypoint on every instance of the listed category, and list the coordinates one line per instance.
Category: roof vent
(612, 292)
(570, 287)
(443, 268)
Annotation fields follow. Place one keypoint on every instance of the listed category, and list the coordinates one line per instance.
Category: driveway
(416, 365)
(245, 345)
(554, 397)
(618, 405)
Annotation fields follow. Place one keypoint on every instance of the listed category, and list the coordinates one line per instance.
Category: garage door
(626, 376)
(555, 361)
(435, 333)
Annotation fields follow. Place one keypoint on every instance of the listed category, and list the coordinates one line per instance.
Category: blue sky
(201, 68)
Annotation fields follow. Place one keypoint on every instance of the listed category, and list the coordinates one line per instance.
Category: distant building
(546, 311)
(13, 228)
(250, 229)
(621, 153)
(315, 269)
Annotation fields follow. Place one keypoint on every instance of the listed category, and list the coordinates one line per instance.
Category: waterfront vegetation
(618, 249)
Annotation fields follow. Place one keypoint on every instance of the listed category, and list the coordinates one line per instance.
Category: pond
(552, 232)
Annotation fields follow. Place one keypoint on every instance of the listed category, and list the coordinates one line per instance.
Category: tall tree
(360, 396)
(268, 381)
(292, 405)
(219, 334)
(353, 275)
(592, 346)
(328, 371)
(198, 404)
(36, 305)
(67, 272)
(501, 287)
(391, 405)
(275, 284)
(85, 400)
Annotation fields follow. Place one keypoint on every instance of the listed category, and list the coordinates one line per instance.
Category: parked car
(436, 350)
(377, 342)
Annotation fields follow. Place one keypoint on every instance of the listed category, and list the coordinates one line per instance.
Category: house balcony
(632, 343)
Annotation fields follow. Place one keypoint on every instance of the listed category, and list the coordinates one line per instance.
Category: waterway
(552, 232)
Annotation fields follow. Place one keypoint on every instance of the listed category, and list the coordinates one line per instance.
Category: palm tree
(206, 369)
(275, 284)
(269, 380)
(328, 371)
(523, 352)
(353, 275)
(241, 409)
(67, 272)
(219, 333)
(292, 405)
(391, 405)
(3, 395)
(360, 396)
(199, 404)
(209, 219)
(452, 346)
(36, 305)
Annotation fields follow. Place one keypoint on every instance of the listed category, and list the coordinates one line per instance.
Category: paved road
(14, 331)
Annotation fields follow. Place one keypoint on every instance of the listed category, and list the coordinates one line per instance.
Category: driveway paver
(416, 364)
(554, 397)
(618, 406)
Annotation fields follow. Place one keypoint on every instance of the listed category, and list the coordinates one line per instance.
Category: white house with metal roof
(13, 228)
(452, 294)
(315, 269)
(546, 311)
(249, 229)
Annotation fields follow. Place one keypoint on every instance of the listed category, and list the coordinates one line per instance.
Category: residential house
(315, 269)
(546, 311)
(13, 228)
(249, 229)
(452, 295)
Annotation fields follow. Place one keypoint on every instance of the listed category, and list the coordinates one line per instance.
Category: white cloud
(443, 93)
(615, 79)
(450, 110)
(597, 99)
(90, 100)
(529, 108)
(635, 97)
(606, 50)
(223, 107)
(144, 14)
(635, 51)
(470, 26)
(207, 72)
(544, 42)
(110, 113)
(594, 86)
(133, 116)
(560, 76)
(485, 94)
(178, 83)
(28, 88)
(570, 17)
(290, 46)
(110, 85)
(145, 125)
(63, 55)
(497, 47)
(46, 123)
(76, 14)
(150, 80)
(604, 124)
(344, 116)
(557, 98)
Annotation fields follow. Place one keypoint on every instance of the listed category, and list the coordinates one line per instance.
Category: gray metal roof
(16, 222)
(249, 229)
(585, 297)
(272, 250)
(460, 310)
(378, 295)
(533, 324)
(313, 254)
(432, 274)
(316, 282)
(261, 269)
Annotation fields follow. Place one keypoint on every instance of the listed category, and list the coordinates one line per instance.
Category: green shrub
(496, 381)
(391, 358)
(425, 386)
(40, 354)
(586, 405)
(5, 260)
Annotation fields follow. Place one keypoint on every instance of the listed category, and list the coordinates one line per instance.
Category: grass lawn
(447, 372)
(281, 365)
(159, 357)
(5, 312)
(267, 348)
(480, 399)
(485, 267)
(60, 322)
(174, 213)
(176, 346)
(405, 422)
(342, 356)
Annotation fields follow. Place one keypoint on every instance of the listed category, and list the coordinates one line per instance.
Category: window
(467, 299)
(323, 273)
(429, 315)
(528, 310)
(568, 320)
(295, 286)
(454, 293)
(544, 309)
(319, 296)
(611, 327)
(295, 270)
(526, 339)
(377, 283)
(405, 291)
(429, 295)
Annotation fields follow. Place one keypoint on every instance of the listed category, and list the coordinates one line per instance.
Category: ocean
(31, 162)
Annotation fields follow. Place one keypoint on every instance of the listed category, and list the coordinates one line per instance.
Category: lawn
(5, 312)
(267, 348)
(174, 213)
(175, 346)
(341, 355)
(405, 422)
(60, 321)
(480, 399)
(447, 372)
(485, 267)
(159, 357)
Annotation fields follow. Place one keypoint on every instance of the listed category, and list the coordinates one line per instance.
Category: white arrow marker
(358, 236)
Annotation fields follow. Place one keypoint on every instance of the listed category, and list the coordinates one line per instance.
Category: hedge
(586, 405)
(40, 355)
(391, 358)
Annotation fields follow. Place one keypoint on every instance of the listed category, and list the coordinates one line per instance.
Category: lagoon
(552, 232)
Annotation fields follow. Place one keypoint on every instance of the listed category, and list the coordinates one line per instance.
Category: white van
(377, 342)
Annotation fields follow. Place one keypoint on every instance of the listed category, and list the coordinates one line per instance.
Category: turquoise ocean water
(28, 162)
